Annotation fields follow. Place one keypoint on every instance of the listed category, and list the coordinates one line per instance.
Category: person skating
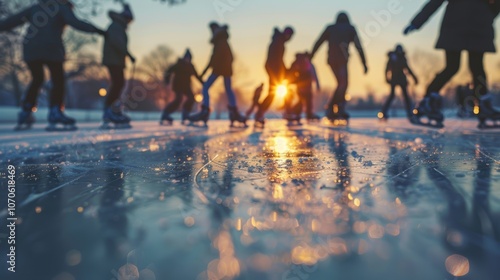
(302, 73)
(221, 64)
(115, 52)
(396, 73)
(182, 71)
(339, 37)
(43, 46)
(255, 100)
(466, 26)
(275, 68)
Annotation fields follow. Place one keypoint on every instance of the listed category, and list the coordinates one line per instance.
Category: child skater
(303, 74)
(182, 71)
(45, 48)
(255, 101)
(115, 52)
(395, 73)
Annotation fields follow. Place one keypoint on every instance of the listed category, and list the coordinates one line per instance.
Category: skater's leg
(189, 103)
(266, 103)
(206, 88)
(476, 67)
(441, 79)
(117, 76)
(388, 103)
(341, 74)
(57, 76)
(231, 97)
(37, 78)
(174, 105)
(408, 103)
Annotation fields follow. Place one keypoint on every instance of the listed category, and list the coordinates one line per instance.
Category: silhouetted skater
(395, 73)
(302, 73)
(466, 26)
(255, 100)
(182, 71)
(115, 52)
(276, 69)
(221, 63)
(43, 46)
(339, 36)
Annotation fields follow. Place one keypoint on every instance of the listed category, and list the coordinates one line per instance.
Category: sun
(282, 90)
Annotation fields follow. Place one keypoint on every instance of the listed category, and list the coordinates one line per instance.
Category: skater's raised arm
(70, 19)
(359, 47)
(320, 41)
(423, 16)
(15, 20)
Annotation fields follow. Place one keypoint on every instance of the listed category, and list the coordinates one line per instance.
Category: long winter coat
(398, 67)
(221, 61)
(339, 36)
(467, 24)
(43, 42)
(115, 49)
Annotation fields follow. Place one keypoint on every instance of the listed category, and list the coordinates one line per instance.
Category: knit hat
(188, 54)
(288, 30)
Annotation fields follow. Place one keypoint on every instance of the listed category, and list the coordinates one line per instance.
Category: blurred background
(163, 29)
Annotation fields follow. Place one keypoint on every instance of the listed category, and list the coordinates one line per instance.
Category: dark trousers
(341, 74)
(305, 99)
(179, 96)
(453, 65)
(117, 84)
(404, 90)
(276, 77)
(37, 75)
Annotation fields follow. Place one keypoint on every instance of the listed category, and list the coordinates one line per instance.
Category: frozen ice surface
(372, 201)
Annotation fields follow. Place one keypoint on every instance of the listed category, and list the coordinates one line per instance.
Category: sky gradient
(252, 21)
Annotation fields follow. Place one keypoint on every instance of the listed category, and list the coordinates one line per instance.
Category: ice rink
(371, 201)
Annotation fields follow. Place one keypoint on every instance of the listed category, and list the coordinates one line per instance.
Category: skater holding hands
(221, 64)
(395, 73)
(43, 46)
(115, 53)
(182, 72)
(466, 26)
(339, 37)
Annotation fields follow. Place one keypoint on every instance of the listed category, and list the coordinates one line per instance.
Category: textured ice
(372, 201)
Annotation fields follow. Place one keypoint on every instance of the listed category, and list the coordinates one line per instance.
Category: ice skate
(312, 118)
(260, 121)
(292, 119)
(337, 116)
(58, 121)
(25, 120)
(166, 119)
(185, 116)
(115, 120)
(429, 110)
(235, 116)
(489, 117)
(200, 117)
